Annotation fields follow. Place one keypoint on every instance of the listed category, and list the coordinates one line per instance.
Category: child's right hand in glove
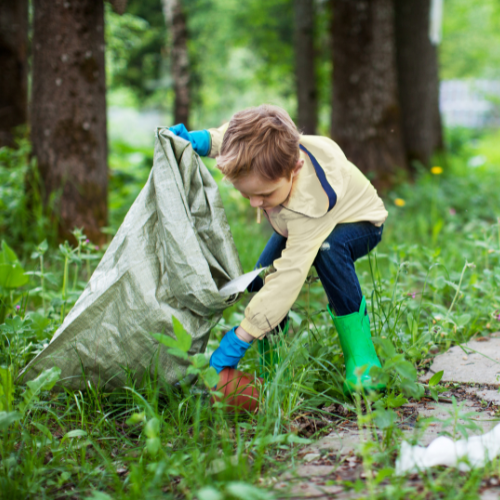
(199, 139)
(231, 349)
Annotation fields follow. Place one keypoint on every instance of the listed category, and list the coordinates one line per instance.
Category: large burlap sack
(170, 257)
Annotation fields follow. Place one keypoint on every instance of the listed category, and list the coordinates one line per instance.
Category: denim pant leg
(271, 252)
(335, 263)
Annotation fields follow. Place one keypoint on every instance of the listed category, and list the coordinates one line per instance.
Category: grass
(432, 282)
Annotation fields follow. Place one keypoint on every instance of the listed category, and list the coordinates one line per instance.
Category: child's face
(264, 193)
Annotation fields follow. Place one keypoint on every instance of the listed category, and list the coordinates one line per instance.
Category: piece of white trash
(240, 283)
(465, 454)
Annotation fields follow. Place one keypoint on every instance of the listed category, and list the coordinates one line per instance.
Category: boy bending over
(324, 212)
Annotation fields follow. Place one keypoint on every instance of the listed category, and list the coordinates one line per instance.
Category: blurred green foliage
(471, 37)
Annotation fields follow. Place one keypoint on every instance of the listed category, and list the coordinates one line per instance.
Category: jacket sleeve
(216, 136)
(271, 304)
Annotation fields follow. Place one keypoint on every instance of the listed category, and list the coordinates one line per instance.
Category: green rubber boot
(358, 349)
(269, 356)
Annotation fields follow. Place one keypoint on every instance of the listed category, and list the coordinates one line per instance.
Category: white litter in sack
(465, 454)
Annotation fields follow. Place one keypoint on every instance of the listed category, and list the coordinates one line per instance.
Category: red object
(240, 390)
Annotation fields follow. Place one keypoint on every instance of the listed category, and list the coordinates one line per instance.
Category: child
(324, 213)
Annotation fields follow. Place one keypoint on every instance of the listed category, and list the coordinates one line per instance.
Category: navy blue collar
(332, 196)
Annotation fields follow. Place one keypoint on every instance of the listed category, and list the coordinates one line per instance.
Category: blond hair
(263, 140)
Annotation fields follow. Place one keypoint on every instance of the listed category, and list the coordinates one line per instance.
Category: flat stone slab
(440, 412)
(472, 363)
(309, 490)
(488, 395)
(493, 494)
(342, 443)
(307, 471)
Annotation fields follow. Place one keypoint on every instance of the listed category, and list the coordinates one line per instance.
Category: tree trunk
(69, 112)
(175, 18)
(418, 80)
(13, 67)
(304, 66)
(365, 103)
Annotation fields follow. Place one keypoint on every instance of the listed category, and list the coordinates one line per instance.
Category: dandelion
(399, 202)
(436, 170)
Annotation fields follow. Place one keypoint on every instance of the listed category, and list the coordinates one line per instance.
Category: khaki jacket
(306, 219)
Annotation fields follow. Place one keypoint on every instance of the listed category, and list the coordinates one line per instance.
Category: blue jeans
(334, 263)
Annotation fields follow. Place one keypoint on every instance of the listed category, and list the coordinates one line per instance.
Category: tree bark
(418, 80)
(307, 97)
(365, 103)
(69, 112)
(13, 67)
(175, 18)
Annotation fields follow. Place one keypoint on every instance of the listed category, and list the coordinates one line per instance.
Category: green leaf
(210, 377)
(384, 418)
(440, 282)
(153, 446)
(434, 394)
(199, 360)
(6, 389)
(192, 370)
(44, 430)
(12, 276)
(387, 347)
(174, 351)
(75, 433)
(136, 418)
(436, 378)
(462, 319)
(8, 418)
(8, 255)
(395, 402)
(152, 428)
(43, 247)
(293, 438)
(44, 382)
(245, 491)
(179, 346)
(183, 337)
(99, 495)
(209, 493)
(38, 324)
(406, 370)
(165, 339)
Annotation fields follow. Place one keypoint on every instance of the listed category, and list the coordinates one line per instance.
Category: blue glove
(200, 139)
(229, 352)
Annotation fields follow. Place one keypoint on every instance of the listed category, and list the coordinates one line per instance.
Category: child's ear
(298, 166)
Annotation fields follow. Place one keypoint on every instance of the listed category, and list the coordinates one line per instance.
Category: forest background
(69, 173)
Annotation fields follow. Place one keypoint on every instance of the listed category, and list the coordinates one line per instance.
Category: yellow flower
(399, 202)
(436, 170)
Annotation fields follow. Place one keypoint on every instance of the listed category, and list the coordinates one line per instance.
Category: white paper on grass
(465, 454)
(240, 283)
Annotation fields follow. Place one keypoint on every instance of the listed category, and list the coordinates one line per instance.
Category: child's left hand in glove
(229, 352)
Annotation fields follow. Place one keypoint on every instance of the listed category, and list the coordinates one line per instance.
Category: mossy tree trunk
(13, 67)
(69, 112)
(418, 80)
(366, 120)
(307, 97)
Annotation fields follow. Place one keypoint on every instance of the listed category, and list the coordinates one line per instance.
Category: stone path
(476, 362)
(332, 459)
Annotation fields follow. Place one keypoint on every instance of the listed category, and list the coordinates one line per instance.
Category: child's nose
(255, 201)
